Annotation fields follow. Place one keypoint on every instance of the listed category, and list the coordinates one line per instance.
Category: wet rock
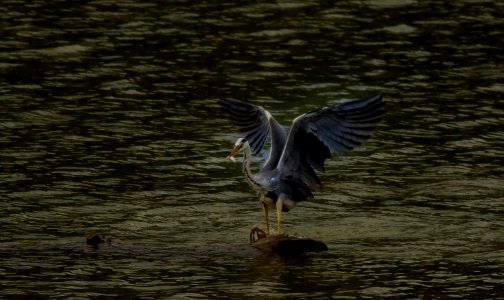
(284, 244)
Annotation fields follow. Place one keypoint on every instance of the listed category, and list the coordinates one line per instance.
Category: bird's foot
(256, 234)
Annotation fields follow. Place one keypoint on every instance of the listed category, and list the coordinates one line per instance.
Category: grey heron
(288, 175)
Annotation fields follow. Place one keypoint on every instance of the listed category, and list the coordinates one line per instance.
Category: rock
(260, 242)
(284, 244)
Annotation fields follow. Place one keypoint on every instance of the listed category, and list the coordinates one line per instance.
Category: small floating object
(97, 239)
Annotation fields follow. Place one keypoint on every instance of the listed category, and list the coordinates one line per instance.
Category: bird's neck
(247, 158)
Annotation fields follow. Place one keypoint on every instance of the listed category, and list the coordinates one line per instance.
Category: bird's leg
(265, 210)
(279, 206)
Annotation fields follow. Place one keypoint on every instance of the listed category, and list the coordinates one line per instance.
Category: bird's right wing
(251, 120)
(315, 136)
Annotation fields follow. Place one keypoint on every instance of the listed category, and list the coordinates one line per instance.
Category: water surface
(109, 123)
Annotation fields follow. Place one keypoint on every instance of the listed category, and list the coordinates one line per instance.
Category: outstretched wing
(251, 120)
(315, 136)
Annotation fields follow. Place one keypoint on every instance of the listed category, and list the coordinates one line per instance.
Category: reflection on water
(109, 124)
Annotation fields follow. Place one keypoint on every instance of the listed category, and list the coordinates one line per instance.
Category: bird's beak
(233, 153)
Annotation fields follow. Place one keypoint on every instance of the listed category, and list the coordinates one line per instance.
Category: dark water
(109, 123)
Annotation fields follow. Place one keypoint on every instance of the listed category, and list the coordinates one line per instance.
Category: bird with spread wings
(288, 175)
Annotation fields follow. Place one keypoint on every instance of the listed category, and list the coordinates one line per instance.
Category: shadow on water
(109, 124)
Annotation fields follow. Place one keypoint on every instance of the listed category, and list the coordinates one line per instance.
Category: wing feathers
(317, 135)
(251, 120)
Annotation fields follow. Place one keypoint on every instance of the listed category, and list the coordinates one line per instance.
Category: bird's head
(239, 145)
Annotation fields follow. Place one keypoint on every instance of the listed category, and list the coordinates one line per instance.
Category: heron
(289, 174)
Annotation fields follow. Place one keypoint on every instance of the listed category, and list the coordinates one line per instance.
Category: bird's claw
(257, 232)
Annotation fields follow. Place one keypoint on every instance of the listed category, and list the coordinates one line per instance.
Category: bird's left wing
(315, 136)
(251, 120)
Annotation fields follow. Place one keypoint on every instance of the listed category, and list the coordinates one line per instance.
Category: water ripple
(110, 124)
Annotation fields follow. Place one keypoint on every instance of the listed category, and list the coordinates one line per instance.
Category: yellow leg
(265, 210)
(279, 206)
